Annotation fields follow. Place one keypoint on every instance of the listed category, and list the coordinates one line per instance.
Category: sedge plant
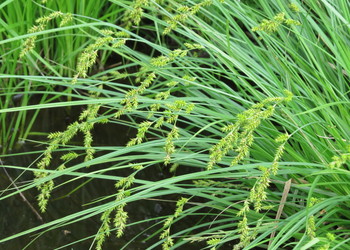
(245, 105)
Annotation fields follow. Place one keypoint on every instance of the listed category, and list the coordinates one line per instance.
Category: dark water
(18, 216)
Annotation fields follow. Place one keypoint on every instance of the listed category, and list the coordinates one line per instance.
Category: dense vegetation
(242, 106)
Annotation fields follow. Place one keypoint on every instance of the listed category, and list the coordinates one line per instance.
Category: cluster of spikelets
(168, 241)
(239, 138)
(184, 13)
(41, 25)
(311, 227)
(121, 216)
(88, 57)
(87, 120)
(160, 114)
(271, 26)
(240, 135)
(258, 195)
(130, 100)
(339, 162)
(134, 15)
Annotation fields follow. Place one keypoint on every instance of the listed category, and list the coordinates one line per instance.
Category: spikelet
(258, 195)
(87, 120)
(121, 216)
(271, 26)
(89, 56)
(134, 15)
(168, 240)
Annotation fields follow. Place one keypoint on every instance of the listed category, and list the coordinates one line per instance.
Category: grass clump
(245, 119)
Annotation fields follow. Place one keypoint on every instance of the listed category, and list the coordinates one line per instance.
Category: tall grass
(210, 102)
(55, 55)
